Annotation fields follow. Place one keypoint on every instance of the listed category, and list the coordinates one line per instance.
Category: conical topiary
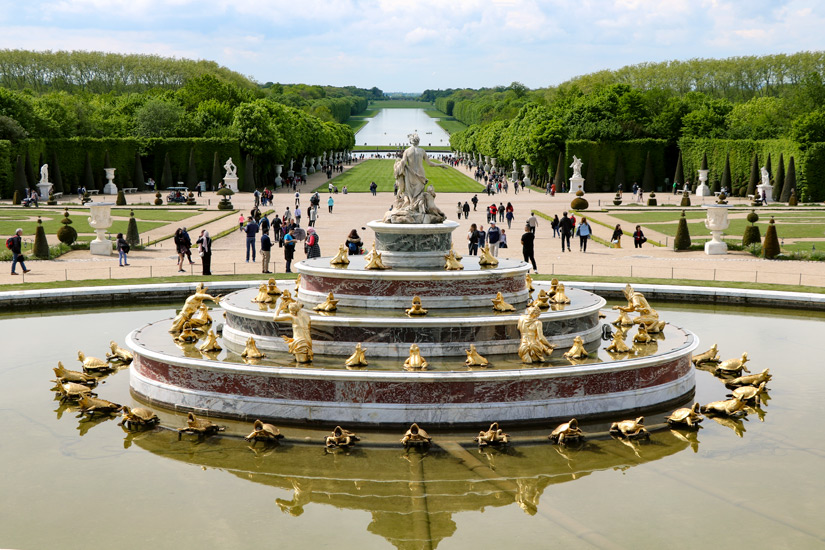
(31, 180)
(726, 177)
(55, 175)
(88, 175)
(651, 199)
(132, 234)
(558, 178)
(16, 198)
(192, 171)
(648, 181)
(166, 178)
(41, 245)
(752, 234)
(590, 176)
(790, 182)
(121, 198)
(779, 181)
(679, 175)
(754, 178)
(770, 247)
(685, 199)
(793, 201)
(66, 234)
(620, 178)
(249, 175)
(158, 199)
(579, 203)
(137, 173)
(768, 166)
(217, 177)
(20, 183)
(704, 165)
(682, 241)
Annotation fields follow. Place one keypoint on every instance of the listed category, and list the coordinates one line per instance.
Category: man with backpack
(15, 244)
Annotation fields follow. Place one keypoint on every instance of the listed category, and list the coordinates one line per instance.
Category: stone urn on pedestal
(279, 181)
(311, 169)
(703, 190)
(717, 221)
(493, 167)
(318, 164)
(100, 220)
(486, 163)
(110, 188)
(304, 167)
(526, 169)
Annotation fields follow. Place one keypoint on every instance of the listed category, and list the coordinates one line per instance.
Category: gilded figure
(474, 359)
(300, 345)
(191, 306)
(330, 304)
(342, 258)
(416, 308)
(358, 358)
(533, 346)
(415, 361)
(500, 305)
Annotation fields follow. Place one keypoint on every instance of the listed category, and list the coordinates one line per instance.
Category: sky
(414, 45)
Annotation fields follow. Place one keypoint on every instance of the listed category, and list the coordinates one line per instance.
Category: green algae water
(70, 482)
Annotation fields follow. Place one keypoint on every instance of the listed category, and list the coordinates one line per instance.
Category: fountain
(302, 376)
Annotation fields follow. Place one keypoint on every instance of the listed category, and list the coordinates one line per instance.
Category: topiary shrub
(682, 241)
(770, 247)
(792, 201)
(66, 234)
(651, 199)
(41, 245)
(121, 198)
(16, 199)
(225, 203)
(158, 199)
(132, 234)
(722, 199)
(685, 199)
(190, 200)
(52, 201)
(752, 234)
(617, 200)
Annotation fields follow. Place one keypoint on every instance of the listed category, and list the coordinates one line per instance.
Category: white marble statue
(577, 167)
(766, 178)
(414, 204)
(291, 163)
(44, 173)
(231, 169)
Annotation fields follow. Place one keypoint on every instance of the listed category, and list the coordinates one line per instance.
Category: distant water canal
(391, 127)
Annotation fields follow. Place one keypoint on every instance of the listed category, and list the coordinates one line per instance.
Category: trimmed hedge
(606, 156)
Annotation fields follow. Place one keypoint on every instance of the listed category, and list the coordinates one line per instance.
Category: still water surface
(72, 483)
(391, 127)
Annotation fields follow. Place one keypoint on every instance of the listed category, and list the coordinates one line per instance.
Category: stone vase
(703, 190)
(100, 220)
(717, 221)
(110, 188)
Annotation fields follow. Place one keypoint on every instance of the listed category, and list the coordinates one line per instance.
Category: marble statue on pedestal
(577, 167)
(415, 202)
(231, 169)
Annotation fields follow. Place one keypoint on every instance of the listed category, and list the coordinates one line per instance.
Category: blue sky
(415, 45)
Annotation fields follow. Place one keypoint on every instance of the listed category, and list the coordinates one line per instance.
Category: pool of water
(391, 127)
(78, 483)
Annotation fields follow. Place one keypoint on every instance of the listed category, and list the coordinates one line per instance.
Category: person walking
(313, 248)
(179, 248)
(474, 200)
(298, 215)
(122, 250)
(330, 204)
(533, 222)
(639, 237)
(493, 238)
(266, 247)
(459, 210)
(240, 222)
(616, 238)
(584, 231)
(472, 237)
(204, 243)
(527, 249)
(374, 189)
(287, 216)
(501, 212)
(187, 245)
(466, 209)
(251, 231)
(503, 242)
(313, 215)
(555, 226)
(16, 242)
(482, 236)
(565, 230)
(289, 250)
(265, 224)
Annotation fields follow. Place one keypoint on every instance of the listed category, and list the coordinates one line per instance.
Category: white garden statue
(414, 203)
(231, 169)
(577, 167)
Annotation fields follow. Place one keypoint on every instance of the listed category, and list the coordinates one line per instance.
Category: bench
(92, 191)
(57, 195)
(130, 189)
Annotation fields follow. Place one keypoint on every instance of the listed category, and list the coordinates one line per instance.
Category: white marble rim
(447, 226)
(422, 377)
(425, 321)
(404, 302)
(435, 413)
(521, 268)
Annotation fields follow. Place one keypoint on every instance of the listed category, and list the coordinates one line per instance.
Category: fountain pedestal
(100, 220)
(422, 245)
(576, 184)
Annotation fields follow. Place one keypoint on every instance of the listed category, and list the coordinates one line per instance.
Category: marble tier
(413, 245)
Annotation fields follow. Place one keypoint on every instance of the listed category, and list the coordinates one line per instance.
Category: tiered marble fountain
(371, 312)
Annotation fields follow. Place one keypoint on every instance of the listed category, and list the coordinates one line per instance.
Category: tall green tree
(137, 172)
(55, 175)
(192, 171)
(31, 180)
(679, 175)
(88, 175)
(166, 180)
(726, 183)
(754, 177)
(790, 182)
(779, 180)
(217, 176)
(648, 180)
(249, 175)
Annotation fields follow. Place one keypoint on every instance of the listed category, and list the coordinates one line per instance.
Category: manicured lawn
(451, 125)
(156, 214)
(399, 104)
(26, 219)
(654, 216)
(737, 227)
(358, 179)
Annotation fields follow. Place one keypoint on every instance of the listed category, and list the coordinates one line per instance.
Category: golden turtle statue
(709, 356)
(748, 394)
(729, 407)
(358, 358)
(342, 258)
(137, 417)
(210, 345)
(689, 417)
(251, 350)
(72, 391)
(65, 375)
(569, 432)
(415, 436)
(493, 436)
(373, 259)
(118, 354)
(415, 361)
(733, 366)
(93, 364)
(474, 359)
(328, 305)
(341, 438)
(500, 305)
(416, 308)
(486, 258)
(263, 296)
(750, 379)
(200, 426)
(577, 351)
(91, 405)
(272, 288)
(264, 432)
(630, 429)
